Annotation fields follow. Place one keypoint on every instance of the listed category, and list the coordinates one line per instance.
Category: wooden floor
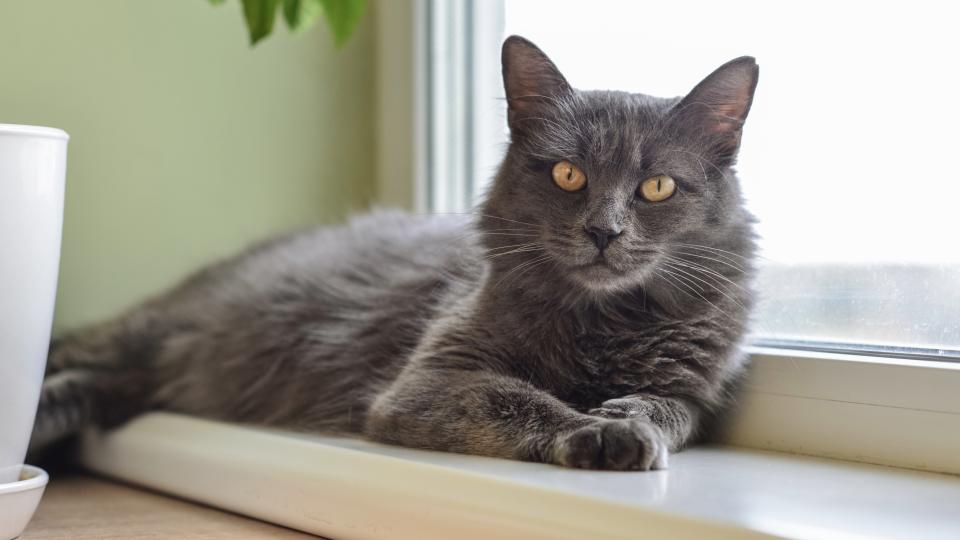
(83, 507)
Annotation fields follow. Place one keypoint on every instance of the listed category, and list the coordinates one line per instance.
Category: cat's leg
(477, 412)
(676, 417)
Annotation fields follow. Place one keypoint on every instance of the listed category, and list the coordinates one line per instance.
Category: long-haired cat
(589, 314)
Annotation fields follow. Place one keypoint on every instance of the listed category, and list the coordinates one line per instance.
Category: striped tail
(96, 377)
(67, 405)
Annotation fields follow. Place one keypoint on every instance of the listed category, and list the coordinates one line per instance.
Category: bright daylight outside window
(848, 158)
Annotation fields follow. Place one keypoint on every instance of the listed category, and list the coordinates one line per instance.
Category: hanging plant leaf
(259, 15)
(301, 14)
(342, 16)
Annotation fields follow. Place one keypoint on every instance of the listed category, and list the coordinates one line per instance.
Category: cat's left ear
(718, 106)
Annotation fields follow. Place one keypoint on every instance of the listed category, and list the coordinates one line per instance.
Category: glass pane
(848, 155)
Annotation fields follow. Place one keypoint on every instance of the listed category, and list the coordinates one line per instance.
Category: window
(848, 157)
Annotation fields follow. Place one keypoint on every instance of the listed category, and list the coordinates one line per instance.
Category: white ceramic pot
(32, 169)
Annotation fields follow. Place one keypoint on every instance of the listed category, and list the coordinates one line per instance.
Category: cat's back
(330, 313)
(384, 249)
(375, 252)
(381, 276)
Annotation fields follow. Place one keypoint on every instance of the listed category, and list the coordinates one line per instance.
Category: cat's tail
(99, 376)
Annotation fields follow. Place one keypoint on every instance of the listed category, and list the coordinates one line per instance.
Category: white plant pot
(32, 169)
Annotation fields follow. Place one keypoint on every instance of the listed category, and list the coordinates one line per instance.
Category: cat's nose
(602, 236)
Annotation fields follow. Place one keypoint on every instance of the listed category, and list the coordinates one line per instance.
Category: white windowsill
(345, 488)
(902, 413)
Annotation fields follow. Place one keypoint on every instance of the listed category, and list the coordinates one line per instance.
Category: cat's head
(604, 187)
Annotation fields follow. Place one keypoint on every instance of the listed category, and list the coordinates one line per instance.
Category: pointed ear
(530, 79)
(718, 106)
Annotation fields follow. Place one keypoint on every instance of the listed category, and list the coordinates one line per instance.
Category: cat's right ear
(531, 81)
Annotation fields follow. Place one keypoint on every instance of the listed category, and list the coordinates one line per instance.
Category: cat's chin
(601, 277)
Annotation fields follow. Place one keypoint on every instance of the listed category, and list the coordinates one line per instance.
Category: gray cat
(590, 314)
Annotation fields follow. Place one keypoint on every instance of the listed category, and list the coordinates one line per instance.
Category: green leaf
(343, 17)
(260, 15)
(301, 14)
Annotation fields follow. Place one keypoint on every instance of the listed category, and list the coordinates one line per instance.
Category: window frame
(889, 407)
(891, 411)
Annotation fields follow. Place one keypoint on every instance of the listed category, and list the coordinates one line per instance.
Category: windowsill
(346, 488)
(885, 411)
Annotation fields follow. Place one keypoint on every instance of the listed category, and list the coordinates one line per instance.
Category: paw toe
(615, 445)
(583, 448)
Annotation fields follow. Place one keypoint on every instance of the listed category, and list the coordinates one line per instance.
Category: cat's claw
(617, 408)
(616, 444)
(604, 412)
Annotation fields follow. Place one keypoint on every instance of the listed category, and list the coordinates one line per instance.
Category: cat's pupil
(658, 184)
(569, 173)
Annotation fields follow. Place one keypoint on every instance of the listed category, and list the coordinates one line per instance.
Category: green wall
(186, 144)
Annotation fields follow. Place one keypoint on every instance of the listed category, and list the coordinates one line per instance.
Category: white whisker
(707, 283)
(699, 267)
(715, 250)
(724, 262)
(697, 293)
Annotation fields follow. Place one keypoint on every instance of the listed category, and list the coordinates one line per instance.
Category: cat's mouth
(607, 273)
(598, 268)
(600, 275)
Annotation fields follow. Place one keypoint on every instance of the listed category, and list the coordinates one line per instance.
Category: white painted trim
(487, 102)
(463, 113)
(903, 413)
(345, 488)
(448, 111)
(318, 486)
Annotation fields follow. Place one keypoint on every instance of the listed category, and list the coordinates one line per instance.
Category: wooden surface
(83, 507)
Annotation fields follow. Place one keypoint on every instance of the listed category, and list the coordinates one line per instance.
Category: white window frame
(428, 54)
(887, 408)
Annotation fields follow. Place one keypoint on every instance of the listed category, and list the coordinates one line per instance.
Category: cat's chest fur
(586, 364)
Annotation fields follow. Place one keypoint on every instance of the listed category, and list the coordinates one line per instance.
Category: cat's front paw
(621, 445)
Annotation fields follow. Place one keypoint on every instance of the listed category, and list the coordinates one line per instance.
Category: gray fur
(505, 333)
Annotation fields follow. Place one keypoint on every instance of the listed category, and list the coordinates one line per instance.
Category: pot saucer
(19, 499)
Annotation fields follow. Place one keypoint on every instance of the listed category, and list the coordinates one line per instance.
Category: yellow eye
(568, 176)
(658, 188)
